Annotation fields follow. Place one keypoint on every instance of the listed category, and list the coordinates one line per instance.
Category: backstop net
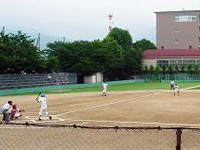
(72, 137)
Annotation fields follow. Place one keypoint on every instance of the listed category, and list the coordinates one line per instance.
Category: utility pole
(3, 31)
(110, 17)
(38, 41)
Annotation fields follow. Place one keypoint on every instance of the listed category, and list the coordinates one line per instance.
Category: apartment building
(178, 29)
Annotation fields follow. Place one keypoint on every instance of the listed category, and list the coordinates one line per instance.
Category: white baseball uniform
(105, 87)
(43, 109)
(176, 89)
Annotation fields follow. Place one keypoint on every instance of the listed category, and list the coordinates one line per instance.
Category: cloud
(86, 19)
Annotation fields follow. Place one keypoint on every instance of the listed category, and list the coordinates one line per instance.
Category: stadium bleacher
(13, 81)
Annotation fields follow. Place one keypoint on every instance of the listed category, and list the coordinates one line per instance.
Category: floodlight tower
(110, 16)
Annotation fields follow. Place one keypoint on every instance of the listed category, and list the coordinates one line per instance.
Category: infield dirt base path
(123, 108)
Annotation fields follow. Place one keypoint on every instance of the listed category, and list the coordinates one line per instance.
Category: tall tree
(144, 45)
(132, 56)
(123, 37)
(86, 58)
(19, 53)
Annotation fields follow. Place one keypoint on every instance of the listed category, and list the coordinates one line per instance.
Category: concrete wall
(149, 62)
(168, 31)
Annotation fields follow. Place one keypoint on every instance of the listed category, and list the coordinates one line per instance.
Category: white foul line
(191, 87)
(108, 104)
(33, 118)
(93, 107)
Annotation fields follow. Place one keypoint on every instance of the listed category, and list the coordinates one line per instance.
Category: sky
(87, 19)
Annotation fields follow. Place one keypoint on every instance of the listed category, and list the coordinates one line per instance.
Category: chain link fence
(71, 137)
(166, 77)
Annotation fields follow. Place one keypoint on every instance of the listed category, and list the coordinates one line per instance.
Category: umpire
(5, 110)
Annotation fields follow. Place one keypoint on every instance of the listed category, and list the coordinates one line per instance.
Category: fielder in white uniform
(43, 110)
(105, 88)
(176, 89)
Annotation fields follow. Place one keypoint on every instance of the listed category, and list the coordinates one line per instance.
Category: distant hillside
(44, 39)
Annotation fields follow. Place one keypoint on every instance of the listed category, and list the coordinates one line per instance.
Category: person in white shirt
(43, 110)
(105, 88)
(176, 89)
(172, 84)
(5, 110)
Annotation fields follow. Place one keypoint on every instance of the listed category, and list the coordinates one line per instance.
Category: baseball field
(130, 105)
(139, 103)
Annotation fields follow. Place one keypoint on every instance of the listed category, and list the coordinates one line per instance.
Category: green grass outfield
(122, 87)
(137, 86)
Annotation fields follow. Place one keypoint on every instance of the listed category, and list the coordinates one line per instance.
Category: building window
(188, 62)
(176, 62)
(162, 62)
(198, 62)
(176, 40)
(176, 37)
(185, 18)
(176, 31)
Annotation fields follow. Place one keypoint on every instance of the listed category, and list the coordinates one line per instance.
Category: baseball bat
(38, 95)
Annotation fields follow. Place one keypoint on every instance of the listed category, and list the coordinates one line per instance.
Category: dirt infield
(122, 109)
(118, 108)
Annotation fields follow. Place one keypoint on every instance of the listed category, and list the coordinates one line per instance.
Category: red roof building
(171, 57)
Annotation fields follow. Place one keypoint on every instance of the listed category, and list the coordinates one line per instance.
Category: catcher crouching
(15, 112)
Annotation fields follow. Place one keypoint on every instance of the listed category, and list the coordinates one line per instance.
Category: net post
(178, 135)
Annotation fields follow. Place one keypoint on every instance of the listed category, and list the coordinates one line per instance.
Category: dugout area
(119, 108)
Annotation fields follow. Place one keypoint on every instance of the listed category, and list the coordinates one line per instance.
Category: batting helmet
(42, 95)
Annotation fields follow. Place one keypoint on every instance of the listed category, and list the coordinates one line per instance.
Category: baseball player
(176, 89)
(15, 112)
(172, 84)
(5, 110)
(43, 110)
(105, 87)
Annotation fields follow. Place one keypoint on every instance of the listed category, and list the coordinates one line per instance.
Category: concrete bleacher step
(13, 81)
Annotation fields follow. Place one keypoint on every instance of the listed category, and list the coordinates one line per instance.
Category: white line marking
(44, 119)
(33, 121)
(191, 87)
(61, 119)
(19, 127)
(30, 119)
(37, 112)
(48, 121)
(94, 107)
(108, 104)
